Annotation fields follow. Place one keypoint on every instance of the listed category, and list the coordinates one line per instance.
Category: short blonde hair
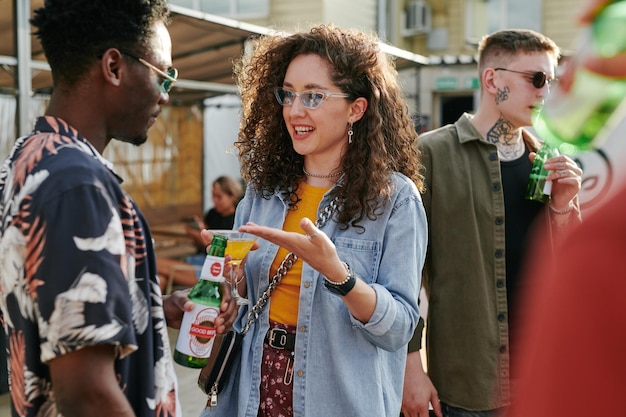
(498, 48)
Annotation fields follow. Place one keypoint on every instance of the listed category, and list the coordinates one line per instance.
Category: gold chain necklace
(334, 174)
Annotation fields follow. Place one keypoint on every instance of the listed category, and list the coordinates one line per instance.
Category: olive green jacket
(467, 332)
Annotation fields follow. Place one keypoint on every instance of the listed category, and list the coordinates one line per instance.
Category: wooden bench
(170, 214)
(167, 225)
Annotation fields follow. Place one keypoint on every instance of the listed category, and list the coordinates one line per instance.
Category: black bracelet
(344, 287)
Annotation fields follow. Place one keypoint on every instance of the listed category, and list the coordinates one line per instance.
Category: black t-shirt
(520, 214)
(214, 220)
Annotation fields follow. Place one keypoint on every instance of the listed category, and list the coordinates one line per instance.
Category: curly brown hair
(385, 140)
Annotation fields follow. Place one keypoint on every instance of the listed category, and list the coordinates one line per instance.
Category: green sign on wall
(446, 83)
(471, 83)
(452, 83)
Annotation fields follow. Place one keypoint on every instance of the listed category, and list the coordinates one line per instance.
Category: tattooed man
(476, 174)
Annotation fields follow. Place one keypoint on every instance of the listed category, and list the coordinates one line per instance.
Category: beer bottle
(574, 121)
(538, 189)
(197, 331)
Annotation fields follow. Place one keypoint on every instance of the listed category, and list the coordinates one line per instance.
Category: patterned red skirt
(276, 379)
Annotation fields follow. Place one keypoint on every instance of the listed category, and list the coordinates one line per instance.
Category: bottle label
(213, 268)
(547, 188)
(197, 331)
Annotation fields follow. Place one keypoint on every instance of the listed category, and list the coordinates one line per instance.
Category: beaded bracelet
(564, 211)
(345, 281)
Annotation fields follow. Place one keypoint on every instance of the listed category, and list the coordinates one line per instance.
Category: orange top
(284, 299)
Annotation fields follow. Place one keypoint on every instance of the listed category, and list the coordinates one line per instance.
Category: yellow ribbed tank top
(284, 299)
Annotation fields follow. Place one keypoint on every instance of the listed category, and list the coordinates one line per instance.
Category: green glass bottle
(197, 331)
(574, 120)
(538, 189)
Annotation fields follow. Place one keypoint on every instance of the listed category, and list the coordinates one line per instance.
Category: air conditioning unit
(416, 18)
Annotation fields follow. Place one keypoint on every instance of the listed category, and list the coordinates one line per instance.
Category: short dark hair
(73, 33)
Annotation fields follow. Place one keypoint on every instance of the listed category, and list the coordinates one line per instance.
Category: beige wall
(291, 15)
(558, 22)
(350, 13)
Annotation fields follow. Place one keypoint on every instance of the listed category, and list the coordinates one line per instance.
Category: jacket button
(498, 253)
(501, 317)
(500, 283)
(499, 221)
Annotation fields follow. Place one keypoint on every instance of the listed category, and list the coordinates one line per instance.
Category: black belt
(280, 339)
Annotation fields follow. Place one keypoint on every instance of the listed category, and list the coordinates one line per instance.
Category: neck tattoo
(334, 174)
(507, 139)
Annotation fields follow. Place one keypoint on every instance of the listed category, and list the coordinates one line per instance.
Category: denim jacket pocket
(362, 255)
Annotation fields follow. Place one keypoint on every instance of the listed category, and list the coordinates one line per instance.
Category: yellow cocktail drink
(238, 249)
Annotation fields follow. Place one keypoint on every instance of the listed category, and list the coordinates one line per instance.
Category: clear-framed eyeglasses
(311, 99)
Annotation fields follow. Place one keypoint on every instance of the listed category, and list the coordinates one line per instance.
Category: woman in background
(226, 193)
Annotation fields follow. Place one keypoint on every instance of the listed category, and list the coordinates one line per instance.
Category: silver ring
(314, 235)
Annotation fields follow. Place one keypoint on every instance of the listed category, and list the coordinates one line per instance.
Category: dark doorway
(452, 107)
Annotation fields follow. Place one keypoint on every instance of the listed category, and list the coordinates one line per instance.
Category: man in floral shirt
(80, 299)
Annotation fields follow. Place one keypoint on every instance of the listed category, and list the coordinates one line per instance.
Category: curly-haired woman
(326, 135)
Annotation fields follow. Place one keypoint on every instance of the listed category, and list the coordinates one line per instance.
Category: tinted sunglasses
(539, 79)
(169, 77)
(310, 99)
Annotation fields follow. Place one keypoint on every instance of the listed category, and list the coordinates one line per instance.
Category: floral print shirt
(77, 268)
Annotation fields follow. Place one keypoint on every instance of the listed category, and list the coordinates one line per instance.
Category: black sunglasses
(539, 79)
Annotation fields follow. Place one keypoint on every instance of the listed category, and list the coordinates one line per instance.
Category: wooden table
(171, 241)
(171, 229)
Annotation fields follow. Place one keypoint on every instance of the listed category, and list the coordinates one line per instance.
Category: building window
(234, 9)
(486, 16)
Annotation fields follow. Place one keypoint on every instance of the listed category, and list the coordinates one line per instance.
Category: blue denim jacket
(342, 366)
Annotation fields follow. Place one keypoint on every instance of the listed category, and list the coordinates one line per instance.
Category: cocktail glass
(237, 246)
